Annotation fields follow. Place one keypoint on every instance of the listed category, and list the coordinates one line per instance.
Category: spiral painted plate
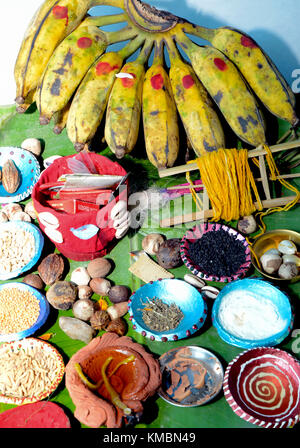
(43, 315)
(196, 233)
(49, 351)
(186, 297)
(29, 170)
(262, 386)
(190, 356)
(39, 244)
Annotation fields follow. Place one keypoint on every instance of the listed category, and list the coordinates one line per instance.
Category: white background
(273, 23)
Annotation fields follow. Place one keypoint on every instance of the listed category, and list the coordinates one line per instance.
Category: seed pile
(160, 316)
(19, 310)
(218, 253)
(26, 372)
(17, 247)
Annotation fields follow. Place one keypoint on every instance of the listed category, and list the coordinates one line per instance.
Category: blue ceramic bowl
(39, 244)
(265, 293)
(29, 170)
(44, 312)
(186, 297)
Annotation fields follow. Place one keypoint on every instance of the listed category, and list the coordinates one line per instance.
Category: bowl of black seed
(215, 252)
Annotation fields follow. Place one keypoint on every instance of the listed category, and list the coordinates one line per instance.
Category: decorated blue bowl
(39, 244)
(43, 315)
(28, 168)
(252, 313)
(184, 295)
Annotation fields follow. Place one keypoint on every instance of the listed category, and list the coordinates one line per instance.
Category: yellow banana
(227, 87)
(53, 21)
(260, 72)
(200, 120)
(70, 62)
(124, 106)
(60, 119)
(28, 101)
(160, 116)
(90, 100)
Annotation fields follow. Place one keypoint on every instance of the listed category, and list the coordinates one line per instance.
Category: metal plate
(262, 386)
(212, 382)
(44, 312)
(186, 297)
(29, 170)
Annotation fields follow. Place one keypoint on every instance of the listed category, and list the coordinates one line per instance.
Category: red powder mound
(43, 414)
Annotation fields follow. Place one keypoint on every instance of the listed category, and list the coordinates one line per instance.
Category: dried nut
(3, 217)
(152, 242)
(99, 267)
(247, 225)
(292, 259)
(118, 294)
(83, 309)
(61, 295)
(29, 208)
(287, 271)
(20, 216)
(270, 263)
(76, 329)
(10, 209)
(168, 255)
(80, 276)
(118, 310)
(100, 320)
(210, 292)
(51, 268)
(84, 292)
(10, 177)
(33, 145)
(194, 280)
(287, 247)
(34, 280)
(117, 326)
(100, 286)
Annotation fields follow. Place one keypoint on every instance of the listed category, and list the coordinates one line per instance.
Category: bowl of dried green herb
(167, 310)
(216, 252)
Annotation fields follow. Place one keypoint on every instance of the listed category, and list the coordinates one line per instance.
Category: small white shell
(119, 223)
(48, 220)
(50, 160)
(121, 232)
(54, 235)
(118, 210)
(80, 276)
(194, 281)
(287, 247)
(124, 75)
(210, 292)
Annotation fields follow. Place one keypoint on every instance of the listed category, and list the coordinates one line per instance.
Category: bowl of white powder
(252, 313)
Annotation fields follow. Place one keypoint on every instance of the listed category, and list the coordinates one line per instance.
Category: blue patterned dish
(29, 170)
(39, 244)
(44, 312)
(273, 317)
(186, 297)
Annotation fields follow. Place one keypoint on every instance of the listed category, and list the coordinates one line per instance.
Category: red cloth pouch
(78, 236)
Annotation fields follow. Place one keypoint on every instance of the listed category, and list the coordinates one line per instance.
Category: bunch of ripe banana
(65, 66)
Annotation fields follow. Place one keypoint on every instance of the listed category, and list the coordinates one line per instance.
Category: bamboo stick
(206, 214)
(252, 153)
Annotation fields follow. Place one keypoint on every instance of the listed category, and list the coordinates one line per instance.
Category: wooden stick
(264, 176)
(206, 214)
(252, 153)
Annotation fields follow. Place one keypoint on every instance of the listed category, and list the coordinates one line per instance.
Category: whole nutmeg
(33, 280)
(51, 268)
(247, 225)
(83, 309)
(99, 267)
(168, 255)
(118, 310)
(117, 326)
(80, 276)
(61, 295)
(152, 242)
(33, 145)
(100, 286)
(84, 292)
(100, 320)
(287, 271)
(118, 294)
(270, 262)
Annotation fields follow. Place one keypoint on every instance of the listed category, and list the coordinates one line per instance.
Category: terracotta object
(134, 382)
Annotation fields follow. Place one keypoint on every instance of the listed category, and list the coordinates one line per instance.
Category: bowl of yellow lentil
(23, 310)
